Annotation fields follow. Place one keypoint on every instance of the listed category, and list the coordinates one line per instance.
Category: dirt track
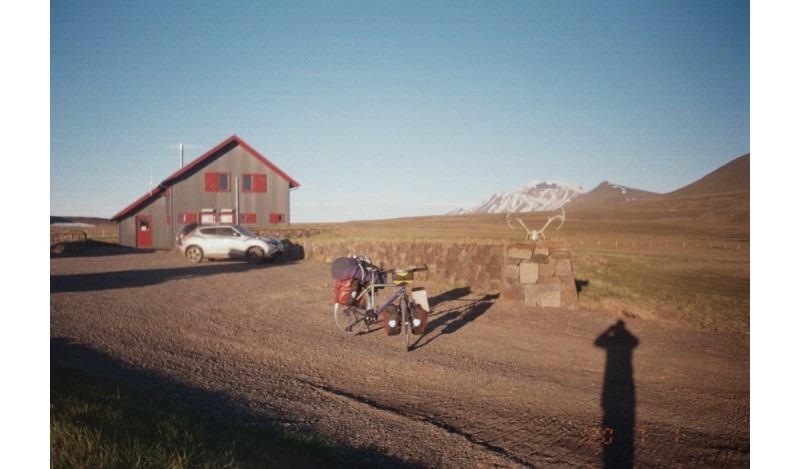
(489, 385)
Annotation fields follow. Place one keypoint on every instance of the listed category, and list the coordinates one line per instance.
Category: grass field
(676, 259)
(94, 424)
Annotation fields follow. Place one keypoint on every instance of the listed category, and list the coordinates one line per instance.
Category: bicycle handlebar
(409, 269)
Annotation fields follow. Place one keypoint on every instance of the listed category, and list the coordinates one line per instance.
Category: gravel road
(489, 385)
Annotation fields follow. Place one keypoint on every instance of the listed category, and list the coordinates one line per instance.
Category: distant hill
(607, 193)
(719, 199)
(732, 177)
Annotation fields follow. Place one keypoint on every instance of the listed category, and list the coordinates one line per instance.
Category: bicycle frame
(348, 318)
(371, 292)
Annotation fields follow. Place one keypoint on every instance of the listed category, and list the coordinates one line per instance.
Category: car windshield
(246, 232)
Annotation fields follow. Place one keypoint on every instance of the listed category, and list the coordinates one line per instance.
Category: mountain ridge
(607, 193)
(733, 176)
(545, 196)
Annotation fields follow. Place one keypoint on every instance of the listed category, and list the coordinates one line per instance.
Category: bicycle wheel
(349, 320)
(405, 318)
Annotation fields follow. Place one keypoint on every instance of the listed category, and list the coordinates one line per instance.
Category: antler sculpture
(534, 235)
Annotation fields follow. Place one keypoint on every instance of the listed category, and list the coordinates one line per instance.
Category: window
(227, 232)
(219, 232)
(186, 218)
(254, 183)
(277, 218)
(218, 182)
(226, 216)
(247, 218)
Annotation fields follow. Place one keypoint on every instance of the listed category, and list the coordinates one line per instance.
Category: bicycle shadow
(453, 319)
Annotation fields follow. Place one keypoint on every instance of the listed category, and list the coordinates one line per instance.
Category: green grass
(712, 293)
(680, 270)
(101, 426)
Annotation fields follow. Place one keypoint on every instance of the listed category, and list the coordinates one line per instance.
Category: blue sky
(390, 109)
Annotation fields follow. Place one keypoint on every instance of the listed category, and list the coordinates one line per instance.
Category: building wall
(189, 195)
(160, 229)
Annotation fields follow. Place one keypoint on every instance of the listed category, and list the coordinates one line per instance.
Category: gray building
(231, 183)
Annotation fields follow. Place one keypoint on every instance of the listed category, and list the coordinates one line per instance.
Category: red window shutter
(212, 182)
(247, 218)
(259, 183)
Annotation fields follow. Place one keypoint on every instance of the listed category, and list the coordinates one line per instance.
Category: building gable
(224, 148)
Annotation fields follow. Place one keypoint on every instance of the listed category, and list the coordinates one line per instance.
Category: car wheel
(255, 255)
(194, 254)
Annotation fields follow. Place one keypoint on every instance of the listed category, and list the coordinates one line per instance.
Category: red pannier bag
(343, 289)
(419, 319)
(346, 292)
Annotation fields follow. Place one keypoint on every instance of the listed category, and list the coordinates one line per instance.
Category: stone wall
(478, 266)
(533, 274)
(539, 274)
(66, 236)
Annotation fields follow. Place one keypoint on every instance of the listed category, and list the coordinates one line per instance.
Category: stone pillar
(540, 274)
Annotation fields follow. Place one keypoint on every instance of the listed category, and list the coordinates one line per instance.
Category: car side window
(220, 231)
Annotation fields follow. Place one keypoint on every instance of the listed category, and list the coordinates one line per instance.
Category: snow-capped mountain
(538, 196)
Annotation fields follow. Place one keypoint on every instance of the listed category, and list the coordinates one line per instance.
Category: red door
(144, 232)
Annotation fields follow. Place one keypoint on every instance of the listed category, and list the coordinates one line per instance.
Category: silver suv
(228, 242)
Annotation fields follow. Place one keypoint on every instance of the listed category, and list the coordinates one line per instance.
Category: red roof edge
(170, 180)
(138, 202)
(292, 183)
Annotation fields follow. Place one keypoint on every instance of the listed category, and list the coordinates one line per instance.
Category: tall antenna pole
(181, 156)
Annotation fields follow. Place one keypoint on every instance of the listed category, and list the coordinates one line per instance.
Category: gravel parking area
(488, 385)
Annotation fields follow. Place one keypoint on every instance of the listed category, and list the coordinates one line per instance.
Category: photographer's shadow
(619, 396)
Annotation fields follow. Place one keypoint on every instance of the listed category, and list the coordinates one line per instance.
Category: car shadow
(92, 248)
(146, 277)
(466, 309)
